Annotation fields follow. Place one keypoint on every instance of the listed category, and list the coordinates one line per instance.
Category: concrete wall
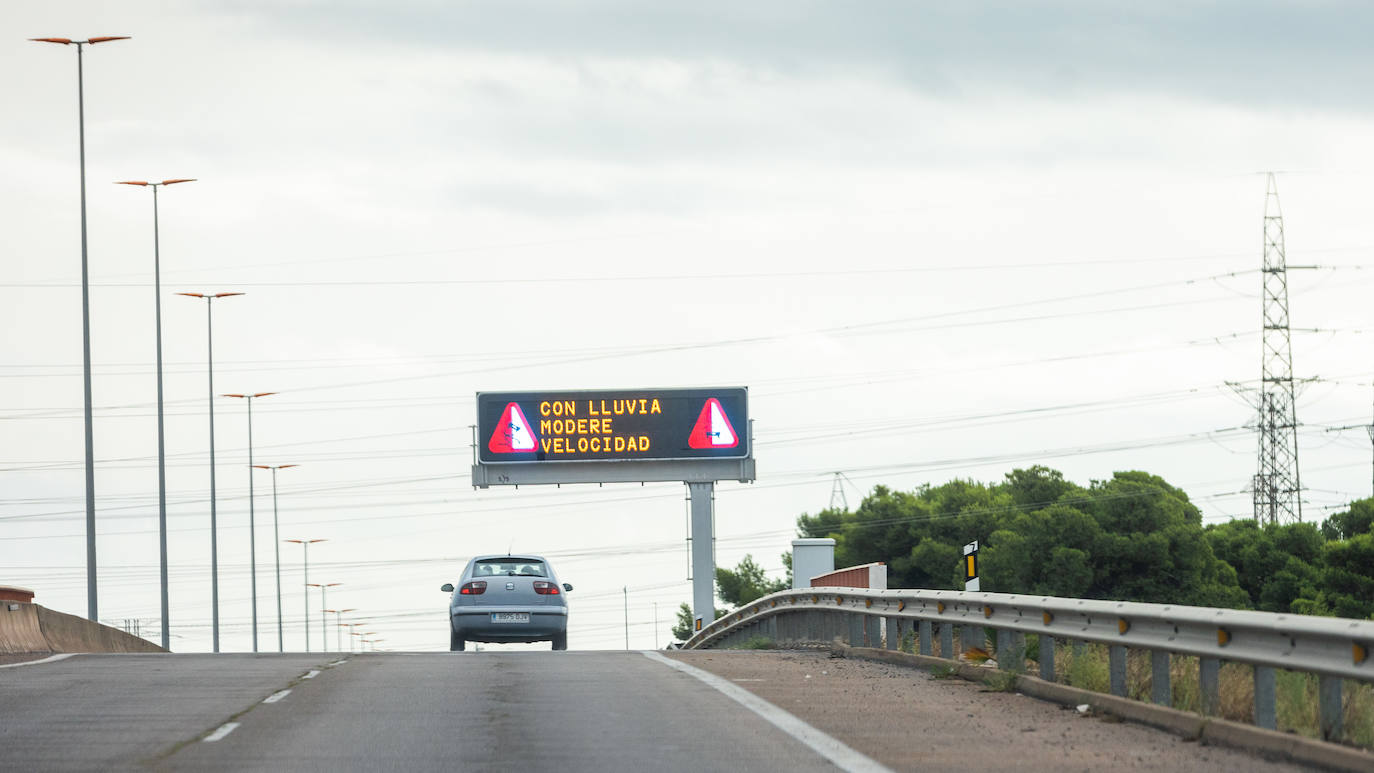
(19, 631)
(32, 628)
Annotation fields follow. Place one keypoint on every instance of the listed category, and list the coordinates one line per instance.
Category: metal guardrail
(1332, 648)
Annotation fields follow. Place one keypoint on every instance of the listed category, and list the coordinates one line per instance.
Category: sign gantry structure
(697, 436)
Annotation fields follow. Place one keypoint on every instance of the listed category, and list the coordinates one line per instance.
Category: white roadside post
(971, 635)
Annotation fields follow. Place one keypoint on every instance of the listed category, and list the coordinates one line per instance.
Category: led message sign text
(620, 425)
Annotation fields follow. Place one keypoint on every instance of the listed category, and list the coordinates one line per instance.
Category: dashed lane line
(276, 696)
(221, 731)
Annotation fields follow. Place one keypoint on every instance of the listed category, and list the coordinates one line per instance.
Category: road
(524, 711)
(527, 711)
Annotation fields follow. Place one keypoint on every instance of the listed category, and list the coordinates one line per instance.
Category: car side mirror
(567, 587)
(447, 587)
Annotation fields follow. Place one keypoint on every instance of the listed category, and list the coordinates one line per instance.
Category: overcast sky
(935, 241)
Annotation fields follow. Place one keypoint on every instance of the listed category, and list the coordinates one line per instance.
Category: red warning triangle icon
(513, 433)
(712, 429)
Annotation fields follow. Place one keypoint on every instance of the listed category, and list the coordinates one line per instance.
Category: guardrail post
(1329, 697)
(1161, 690)
(1116, 668)
(856, 629)
(947, 641)
(772, 627)
(1265, 712)
(894, 632)
(1011, 649)
(926, 636)
(873, 634)
(969, 636)
(1209, 683)
(1047, 657)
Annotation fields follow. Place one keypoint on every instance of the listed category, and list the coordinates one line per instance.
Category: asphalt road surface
(534, 711)
(544, 711)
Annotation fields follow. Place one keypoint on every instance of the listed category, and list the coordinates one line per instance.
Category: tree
(1133, 537)
(686, 623)
(745, 583)
(1275, 565)
(1359, 519)
(736, 587)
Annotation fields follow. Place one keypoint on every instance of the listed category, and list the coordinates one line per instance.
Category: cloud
(1276, 54)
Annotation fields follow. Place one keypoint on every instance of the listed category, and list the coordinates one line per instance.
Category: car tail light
(474, 588)
(545, 588)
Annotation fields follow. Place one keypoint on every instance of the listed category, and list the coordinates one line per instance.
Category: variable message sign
(613, 425)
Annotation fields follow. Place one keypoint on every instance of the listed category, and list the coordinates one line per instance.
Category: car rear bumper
(474, 624)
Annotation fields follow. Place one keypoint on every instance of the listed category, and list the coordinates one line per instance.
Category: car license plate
(510, 617)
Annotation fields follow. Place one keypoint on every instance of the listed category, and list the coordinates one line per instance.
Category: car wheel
(560, 641)
(456, 643)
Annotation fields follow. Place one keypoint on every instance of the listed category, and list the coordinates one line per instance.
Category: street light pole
(338, 625)
(353, 631)
(161, 442)
(276, 546)
(252, 526)
(626, 591)
(214, 526)
(324, 619)
(305, 561)
(92, 606)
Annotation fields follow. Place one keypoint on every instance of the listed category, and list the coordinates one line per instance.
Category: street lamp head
(275, 467)
(208, 296)
(69, 41)
(178, 180)
(131, 182)
(256, 394)
(304, 541)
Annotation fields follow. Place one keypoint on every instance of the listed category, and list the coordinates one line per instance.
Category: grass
(756, 643)
(908, 643)
(1085, 666)
(1000, 681)
(943, 672)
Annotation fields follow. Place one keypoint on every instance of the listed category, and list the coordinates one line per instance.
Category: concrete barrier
(19, 631)
(30, 628)
(69, 633)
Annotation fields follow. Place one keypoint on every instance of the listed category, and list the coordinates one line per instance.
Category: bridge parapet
(1332, 648)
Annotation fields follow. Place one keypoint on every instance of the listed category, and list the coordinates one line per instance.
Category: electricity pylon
(1277, 486)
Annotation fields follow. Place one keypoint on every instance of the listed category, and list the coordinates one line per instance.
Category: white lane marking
(224, 729)
(844, 757)
(313, 673)
(338, 663)
(52, 659)
(276, 696)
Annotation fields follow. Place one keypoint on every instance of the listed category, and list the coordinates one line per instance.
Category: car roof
(507, 556)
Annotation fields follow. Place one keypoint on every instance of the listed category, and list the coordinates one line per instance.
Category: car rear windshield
(515, 567)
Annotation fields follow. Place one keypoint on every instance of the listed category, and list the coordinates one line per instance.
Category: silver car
(508, 599)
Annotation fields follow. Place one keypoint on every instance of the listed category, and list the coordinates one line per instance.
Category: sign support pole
(702, 496)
